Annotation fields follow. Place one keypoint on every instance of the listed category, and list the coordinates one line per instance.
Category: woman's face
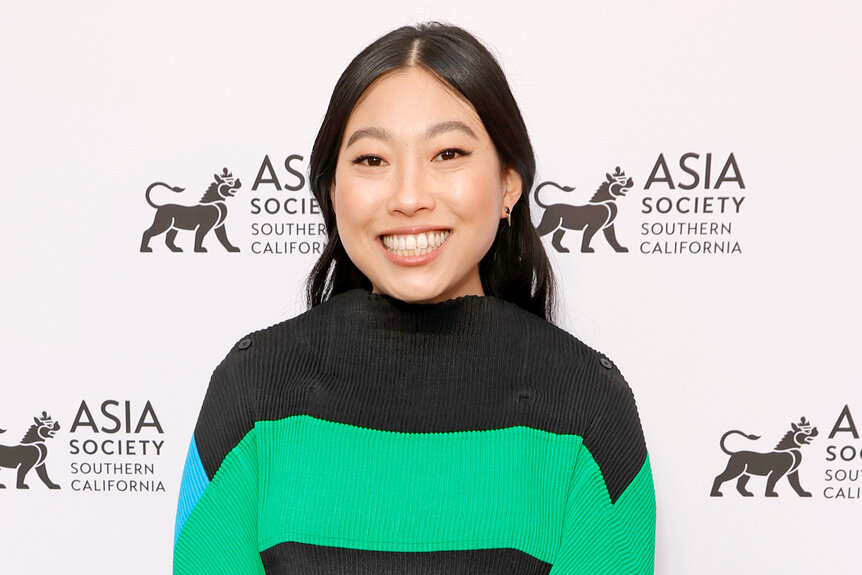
(419, 190)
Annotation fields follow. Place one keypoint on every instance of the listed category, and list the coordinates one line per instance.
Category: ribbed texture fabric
(308, 559)
(604, 538)
(336, 484)
(373, 436)
(193, 484)
(220, 536)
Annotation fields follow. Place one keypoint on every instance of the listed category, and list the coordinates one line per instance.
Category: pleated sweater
(370, 436)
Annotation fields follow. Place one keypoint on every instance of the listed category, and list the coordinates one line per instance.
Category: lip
(413, 230)
(412, 260)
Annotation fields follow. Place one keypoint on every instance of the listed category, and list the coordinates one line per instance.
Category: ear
(512, 185)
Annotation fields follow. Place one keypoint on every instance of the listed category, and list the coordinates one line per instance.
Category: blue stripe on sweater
(194, 482)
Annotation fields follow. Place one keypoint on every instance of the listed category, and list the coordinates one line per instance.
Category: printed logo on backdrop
(282, 218)
(209, 213)
(783, 460)
(596, 215)
(684, 207)
(30, 453)
(115, 447)
(837, 462)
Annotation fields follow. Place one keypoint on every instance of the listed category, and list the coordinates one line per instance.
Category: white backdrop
(101, 99)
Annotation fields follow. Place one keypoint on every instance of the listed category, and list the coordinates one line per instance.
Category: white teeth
(414, 244)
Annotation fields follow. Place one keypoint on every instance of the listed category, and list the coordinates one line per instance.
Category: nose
(412, 191)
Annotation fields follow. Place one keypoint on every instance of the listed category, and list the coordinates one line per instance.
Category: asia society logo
(31, 452)
(783, 460)
(113, 446)
(832, 466)
(207, 214)
(691, 204)
(278, 216)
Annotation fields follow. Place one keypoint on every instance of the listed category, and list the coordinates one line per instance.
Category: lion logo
(598, 214)
(209, 213)
(781, 461)
(31, 452)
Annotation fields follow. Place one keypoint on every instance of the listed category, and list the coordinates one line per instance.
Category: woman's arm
(609, 524)
(216, 525)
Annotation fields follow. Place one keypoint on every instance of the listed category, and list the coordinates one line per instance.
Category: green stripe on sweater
(335, 484)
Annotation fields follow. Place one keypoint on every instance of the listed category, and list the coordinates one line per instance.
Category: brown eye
(450, 154)
(369, 160)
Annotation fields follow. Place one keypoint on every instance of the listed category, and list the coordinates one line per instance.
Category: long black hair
(516, 267)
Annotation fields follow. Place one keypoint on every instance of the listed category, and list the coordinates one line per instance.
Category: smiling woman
(419, 189)
(424, 416)
(468, 112)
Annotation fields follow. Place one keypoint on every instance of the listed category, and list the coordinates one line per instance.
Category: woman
(423, 416)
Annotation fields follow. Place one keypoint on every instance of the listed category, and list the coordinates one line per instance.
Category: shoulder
(294, 336)
(585, 393)
(244, 383)
(601, 407)
(551, 348)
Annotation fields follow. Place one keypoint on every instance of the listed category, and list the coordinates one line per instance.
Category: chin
(424, 293)
(415, 296)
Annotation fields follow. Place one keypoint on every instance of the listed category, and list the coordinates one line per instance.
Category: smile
(414, 244)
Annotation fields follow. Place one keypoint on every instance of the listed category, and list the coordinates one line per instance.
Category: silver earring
(508, 216)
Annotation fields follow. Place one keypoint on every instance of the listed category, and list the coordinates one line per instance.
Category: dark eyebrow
(432, 131)
(447, 126)
(376, 133)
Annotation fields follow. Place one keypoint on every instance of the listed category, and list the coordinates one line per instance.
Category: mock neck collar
(460, 301)
(469, 314)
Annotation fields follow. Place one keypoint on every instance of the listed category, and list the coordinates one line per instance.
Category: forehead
(409, 97)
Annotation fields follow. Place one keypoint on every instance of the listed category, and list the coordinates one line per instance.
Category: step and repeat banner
(726, 287)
